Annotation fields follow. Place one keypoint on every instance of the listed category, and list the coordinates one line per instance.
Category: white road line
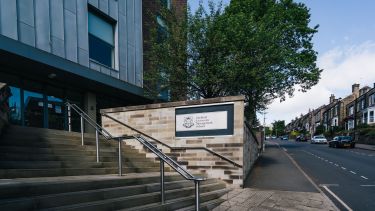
(330, 162)
(353, 172)
(343, 168)
(336, 164)
(364, 177)
(337, 198)
(284, 149)
(326, 160)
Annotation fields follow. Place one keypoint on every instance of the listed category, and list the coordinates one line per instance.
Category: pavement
(276, 183)
(365, 146)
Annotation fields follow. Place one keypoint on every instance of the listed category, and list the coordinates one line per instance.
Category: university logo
(188, 122)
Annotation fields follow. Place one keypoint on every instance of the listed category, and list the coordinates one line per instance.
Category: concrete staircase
(49, 169)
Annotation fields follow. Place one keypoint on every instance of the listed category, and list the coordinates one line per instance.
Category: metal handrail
(163, 157)
(98, 129)
(172, 163)
(176, 148)
(92, 122)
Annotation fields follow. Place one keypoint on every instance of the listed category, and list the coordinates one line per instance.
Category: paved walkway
(255, 199)
(276, 183)
(365, 146)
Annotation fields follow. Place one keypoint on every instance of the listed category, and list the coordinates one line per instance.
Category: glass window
(351, 110)
(33, 109)
(162, 29)
(371, 118)
(371, 100)
(56, 113)
(364, 117)
(101, 40)
(14, 105)
(166, 3)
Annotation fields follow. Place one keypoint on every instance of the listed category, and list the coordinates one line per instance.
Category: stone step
(32, 187)
(182, 202)
(180, 197)
(70, 164)
(205, 206)
(53, 172)
(31, 141)
(79, 197)
(56, 142)
(67, 151)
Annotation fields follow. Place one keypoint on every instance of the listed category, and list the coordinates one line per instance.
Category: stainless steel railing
(175, 148)
(84, 117)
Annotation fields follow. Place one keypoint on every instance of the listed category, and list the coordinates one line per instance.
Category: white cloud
(342, 67)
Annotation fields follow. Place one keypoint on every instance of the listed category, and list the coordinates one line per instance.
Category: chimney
(332, 98)
(355, 89)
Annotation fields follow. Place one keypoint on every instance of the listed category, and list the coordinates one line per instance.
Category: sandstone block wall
(158, 121)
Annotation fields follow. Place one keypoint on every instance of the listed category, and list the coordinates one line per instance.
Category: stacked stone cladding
(158, 121)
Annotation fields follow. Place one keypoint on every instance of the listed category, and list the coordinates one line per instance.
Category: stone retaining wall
(158, 121)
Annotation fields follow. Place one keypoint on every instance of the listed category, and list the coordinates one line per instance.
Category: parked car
(274, 137)
(301, 138)
(342, 141)
(284, 138)
(319, 140)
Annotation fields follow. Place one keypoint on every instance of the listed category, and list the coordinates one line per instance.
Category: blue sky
(345, 44)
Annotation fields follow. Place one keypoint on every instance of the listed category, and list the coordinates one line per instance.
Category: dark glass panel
(33, 109)
(100, 51)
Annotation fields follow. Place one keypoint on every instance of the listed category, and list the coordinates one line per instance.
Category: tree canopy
(261, 49)
(278, 127)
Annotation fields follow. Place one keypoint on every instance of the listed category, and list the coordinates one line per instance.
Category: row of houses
(347, 113)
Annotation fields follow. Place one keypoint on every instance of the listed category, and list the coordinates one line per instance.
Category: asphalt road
(346, 175)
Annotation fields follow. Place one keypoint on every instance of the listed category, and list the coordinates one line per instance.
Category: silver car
(319, 140)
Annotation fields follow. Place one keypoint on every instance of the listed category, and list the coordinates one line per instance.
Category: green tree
(166, 69)
(270, 50)
(319, 130)
(261, 49)
(268, 131)
(278, 127)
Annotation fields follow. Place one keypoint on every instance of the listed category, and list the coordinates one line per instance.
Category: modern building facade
(89, 52)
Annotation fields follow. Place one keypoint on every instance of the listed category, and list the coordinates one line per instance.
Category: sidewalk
(255, 199)
(276, 183)
(365, 146)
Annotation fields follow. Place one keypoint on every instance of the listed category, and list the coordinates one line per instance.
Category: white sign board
(202, 121)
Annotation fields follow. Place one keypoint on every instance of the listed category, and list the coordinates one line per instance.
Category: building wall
(60, 27)
(158, 121)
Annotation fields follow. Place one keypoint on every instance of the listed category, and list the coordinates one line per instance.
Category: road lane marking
(337, 198)
(353, 172)
(326, 160)
(330, 162)
(367, 185)
(285, 149)
(364, 177)
(329, 185)
(343, 168)
(336, 164)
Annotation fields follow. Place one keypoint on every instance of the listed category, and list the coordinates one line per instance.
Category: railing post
(119, 158)
(162, 189)
(69, 118)
(97, 145)
(82, 130)
(197, 195)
